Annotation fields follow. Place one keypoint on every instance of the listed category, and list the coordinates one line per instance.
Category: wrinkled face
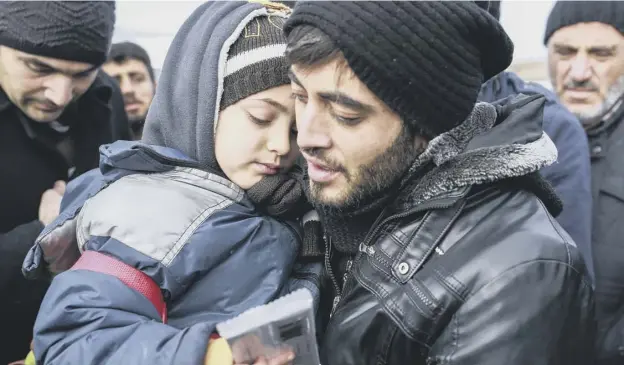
(256, 136)
(41, 86)
(355, 146)
(586, 65)
(137, 87)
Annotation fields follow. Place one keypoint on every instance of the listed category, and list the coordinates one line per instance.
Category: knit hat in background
(426, 60)
(256, 60)
(566, 13)
(69, 30)
(123, 51)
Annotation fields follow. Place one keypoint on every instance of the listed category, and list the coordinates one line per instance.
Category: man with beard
(585, 43)
(130, 65)
(56, 109)
(441, 246)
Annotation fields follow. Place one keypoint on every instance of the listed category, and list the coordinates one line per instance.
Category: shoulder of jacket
(532, 236)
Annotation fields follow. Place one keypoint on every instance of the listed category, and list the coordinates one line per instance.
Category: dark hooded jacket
(162, 208)
(467, 265)
(30, 163)
(570, 175)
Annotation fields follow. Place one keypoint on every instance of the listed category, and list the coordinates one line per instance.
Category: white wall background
(152, 24)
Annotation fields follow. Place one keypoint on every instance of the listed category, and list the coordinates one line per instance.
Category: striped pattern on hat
(256, 60)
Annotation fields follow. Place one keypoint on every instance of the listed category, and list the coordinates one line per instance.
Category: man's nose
(313, 130)
(126, 86)
(580, 69)
(59, 90)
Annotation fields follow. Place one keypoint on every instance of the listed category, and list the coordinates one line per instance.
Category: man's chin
(588, 115)
(328, 195)
(40, 116)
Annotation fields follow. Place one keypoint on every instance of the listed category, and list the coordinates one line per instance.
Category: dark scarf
(282, 196)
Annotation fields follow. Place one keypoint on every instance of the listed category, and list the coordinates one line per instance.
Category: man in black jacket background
(585, 41)
(56, 109)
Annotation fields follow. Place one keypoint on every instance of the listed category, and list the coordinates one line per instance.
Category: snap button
(597, 149)
(403, 268)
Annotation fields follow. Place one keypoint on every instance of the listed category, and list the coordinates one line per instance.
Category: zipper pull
(346, 273)
(334, 305)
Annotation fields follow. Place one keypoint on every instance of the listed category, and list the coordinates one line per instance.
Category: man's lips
(579, 95)
(132, 106)
(46, 107)
(319, 172)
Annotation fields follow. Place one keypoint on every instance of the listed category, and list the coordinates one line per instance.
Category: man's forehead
(64, 66)
(131, 65)
(332, 76)
(584, 35)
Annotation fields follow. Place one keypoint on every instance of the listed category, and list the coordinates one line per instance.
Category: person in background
(585, 41)
(570, 175)
(130, 65)
(56, 109)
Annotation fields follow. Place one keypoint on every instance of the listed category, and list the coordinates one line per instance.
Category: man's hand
(50, 205)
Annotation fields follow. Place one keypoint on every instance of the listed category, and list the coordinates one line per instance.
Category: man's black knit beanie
(69, 30)
(566, 13)
(426, 60)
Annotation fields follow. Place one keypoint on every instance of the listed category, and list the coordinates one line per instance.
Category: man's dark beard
(373, 179)
(378, 182)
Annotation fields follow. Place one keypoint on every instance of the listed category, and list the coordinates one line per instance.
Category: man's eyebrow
(293, 78)
(607, 48)
(346, 101)
(337, 97)
(564, 46)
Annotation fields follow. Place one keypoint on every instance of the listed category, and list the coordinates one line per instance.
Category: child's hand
(218, 353)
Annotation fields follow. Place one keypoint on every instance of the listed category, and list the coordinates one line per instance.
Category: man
(130, 65)
(570, 176)
(585, 43)
(55, 112)
(441, 247)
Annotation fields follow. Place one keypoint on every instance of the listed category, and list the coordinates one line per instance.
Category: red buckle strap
(133, 278)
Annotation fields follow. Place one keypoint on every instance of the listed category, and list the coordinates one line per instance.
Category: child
(203, 207)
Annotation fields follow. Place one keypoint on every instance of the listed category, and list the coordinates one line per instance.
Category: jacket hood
(496, 142)
(185, 108)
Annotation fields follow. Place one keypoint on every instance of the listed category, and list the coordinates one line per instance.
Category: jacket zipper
(423, 297)
(330, 272)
